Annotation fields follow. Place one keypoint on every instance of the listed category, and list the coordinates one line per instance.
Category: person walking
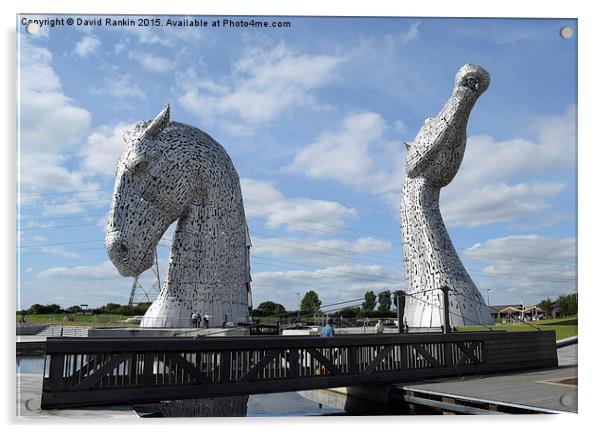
(327, 331)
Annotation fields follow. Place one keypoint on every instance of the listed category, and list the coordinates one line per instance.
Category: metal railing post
(446, 324)
(401, 305)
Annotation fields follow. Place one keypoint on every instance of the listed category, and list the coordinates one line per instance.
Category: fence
(89, 371)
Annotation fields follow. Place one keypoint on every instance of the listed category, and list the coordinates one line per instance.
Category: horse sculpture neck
(430, 259)
(208, 271)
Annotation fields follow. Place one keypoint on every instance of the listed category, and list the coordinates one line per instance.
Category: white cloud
(357, 155)
(61, 251)
(45, 112)
(164, 36)
(483, 192)
(344, 155)
(147, 35)
(104, 270)
(263, 200)
(86, 46)
(496, 203)
(121, 87)
(263, 84)
(94, 284)
(410, 34)
(320, 251)
(50, 124)
(529, 266)
(153, 63)
(488, 188)
(103, 149)
(41, 171)
(552, 220)
(119, 48)
(335, 283)
(401, 127)
(555, 147)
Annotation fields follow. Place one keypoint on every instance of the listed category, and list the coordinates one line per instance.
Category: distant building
(514, 312)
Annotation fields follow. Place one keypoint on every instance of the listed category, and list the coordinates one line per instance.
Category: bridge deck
(545, 391)
(86, 371)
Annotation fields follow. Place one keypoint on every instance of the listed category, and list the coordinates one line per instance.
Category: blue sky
(314, 117)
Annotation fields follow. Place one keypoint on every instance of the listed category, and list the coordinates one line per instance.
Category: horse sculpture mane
(430, 260)
(171, 171)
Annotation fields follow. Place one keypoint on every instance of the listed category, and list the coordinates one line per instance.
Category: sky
(314, 117)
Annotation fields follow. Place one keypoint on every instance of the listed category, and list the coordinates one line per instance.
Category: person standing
(327, 331)
(206, 320)
(194, 319)
(379, 327)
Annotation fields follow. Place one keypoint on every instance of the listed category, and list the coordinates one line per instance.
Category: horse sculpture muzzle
(122, 257)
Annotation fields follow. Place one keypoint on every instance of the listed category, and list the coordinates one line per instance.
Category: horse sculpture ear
(127, 135)
(158, 123)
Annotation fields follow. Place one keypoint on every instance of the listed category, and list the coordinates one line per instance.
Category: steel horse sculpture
(430, 260)
(170, 171)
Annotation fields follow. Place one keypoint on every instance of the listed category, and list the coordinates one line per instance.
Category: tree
(384, 302)
(547, 305)
(310, 302)
(45, 309)
(110, 308)
(567, 305)
(369, 301)
(269, 308)
(348, 312)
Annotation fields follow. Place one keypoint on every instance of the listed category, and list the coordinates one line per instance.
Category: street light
(298, 307)
(488, 303)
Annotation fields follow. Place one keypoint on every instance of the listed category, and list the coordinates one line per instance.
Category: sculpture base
(176, 312)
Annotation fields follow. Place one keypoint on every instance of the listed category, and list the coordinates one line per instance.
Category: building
(515, 312)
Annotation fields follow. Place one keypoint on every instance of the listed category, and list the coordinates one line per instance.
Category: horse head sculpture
(438, 149)
(430, 259)
(170, 171)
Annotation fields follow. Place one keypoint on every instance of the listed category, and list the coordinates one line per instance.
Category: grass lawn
(564, 327)
(79, 319)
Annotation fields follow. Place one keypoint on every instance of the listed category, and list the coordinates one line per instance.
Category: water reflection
(30, 365)
(286, 404)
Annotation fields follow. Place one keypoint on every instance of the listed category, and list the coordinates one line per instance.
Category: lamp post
(488, 303)
(298, 307)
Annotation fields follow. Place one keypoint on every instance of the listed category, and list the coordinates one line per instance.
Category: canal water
(261, 405)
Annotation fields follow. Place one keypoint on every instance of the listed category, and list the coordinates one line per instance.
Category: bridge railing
(91, 371)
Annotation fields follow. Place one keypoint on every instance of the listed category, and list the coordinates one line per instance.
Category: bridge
(92, 371)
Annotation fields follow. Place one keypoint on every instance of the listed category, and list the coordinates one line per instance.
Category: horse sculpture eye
(140, 167)
(473, 83)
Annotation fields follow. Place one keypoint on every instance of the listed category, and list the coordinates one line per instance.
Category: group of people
(196, 318)
(328, 330)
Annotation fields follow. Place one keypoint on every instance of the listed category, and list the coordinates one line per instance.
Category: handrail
(102, 344)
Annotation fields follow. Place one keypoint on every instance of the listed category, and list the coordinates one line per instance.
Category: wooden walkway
(541, 391)
(90, 371)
